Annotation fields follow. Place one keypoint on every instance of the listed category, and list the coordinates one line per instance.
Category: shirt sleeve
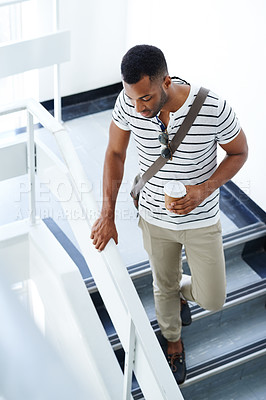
(119, 113)
(228, 126)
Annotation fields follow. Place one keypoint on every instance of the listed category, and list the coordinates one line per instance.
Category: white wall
(98, 42)
(219, 44)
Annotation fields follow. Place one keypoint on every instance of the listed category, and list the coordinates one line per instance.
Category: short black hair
(143, 60)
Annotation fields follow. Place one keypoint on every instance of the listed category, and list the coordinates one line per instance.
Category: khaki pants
(207, 284)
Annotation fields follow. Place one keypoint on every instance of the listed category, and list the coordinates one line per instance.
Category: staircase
(225, 350)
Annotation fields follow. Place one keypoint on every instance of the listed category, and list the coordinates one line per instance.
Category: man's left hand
(195, 196)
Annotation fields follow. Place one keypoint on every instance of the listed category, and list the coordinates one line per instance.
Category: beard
(161, 103)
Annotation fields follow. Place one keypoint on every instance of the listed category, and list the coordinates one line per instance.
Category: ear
(167, 82)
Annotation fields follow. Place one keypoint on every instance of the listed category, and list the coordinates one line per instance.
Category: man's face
(148, 97)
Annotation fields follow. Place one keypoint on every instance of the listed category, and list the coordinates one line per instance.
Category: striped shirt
(193, 163)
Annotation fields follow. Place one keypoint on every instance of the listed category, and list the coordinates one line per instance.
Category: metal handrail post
(129, 360)
(57, 94)
(31, 167)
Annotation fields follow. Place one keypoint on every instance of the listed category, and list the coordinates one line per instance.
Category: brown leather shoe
(177, 364)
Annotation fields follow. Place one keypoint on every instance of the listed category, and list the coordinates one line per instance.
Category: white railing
(10, 2)
(143, 353)
(38, 52)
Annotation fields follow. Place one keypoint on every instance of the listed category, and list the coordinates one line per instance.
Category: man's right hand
(102, 231)
(104, 228)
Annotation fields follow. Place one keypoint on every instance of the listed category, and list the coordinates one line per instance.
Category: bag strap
(175, 142)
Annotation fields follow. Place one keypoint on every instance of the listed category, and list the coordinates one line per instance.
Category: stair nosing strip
(224, 367)
(233, 355)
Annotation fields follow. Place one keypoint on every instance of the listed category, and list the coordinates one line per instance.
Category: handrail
(10, 2)
(36, 59)
(143, 352)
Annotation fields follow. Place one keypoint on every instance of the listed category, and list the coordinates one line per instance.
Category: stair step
(232, 358)
(225, 331)
(245, 381)
(237, 297)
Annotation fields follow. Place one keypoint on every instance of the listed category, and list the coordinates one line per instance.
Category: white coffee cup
(173, 190)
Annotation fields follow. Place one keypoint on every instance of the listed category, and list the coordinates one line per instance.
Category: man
(150, 102)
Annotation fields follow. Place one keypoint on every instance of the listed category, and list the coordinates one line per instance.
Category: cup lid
(175, 189)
